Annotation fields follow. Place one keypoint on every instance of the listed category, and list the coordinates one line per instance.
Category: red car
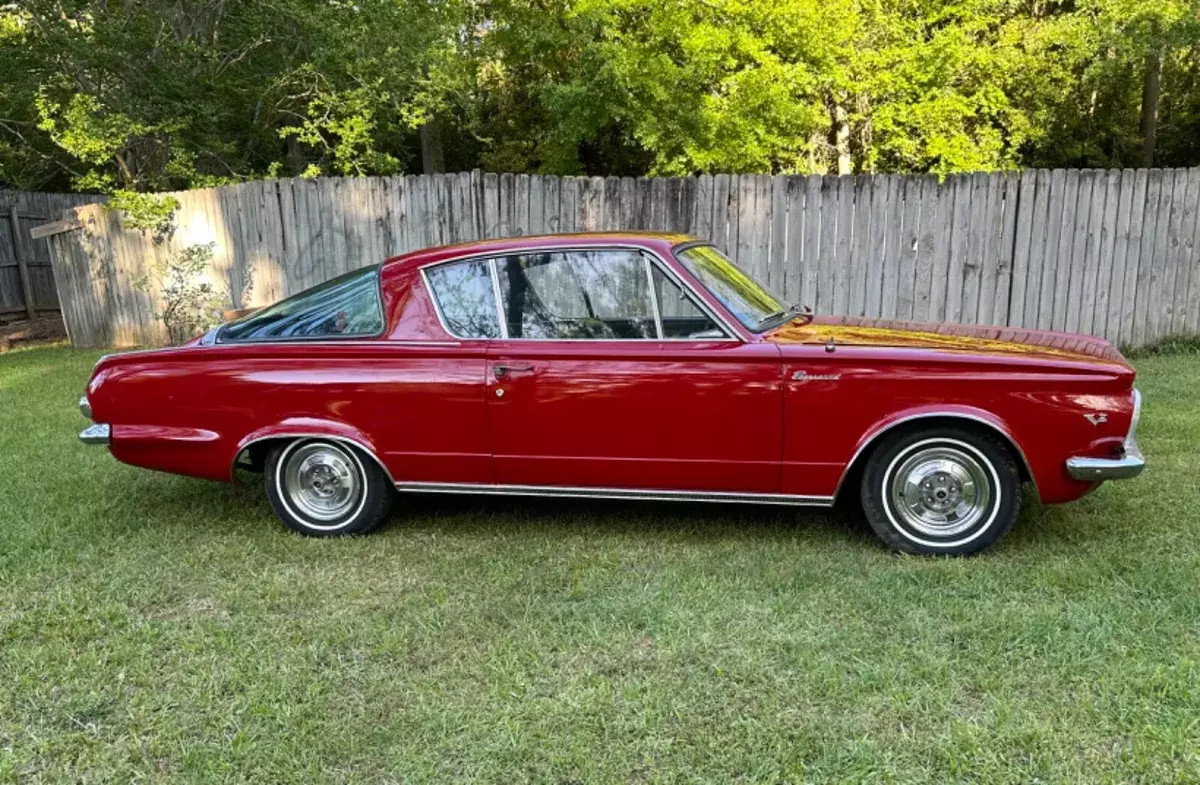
(632, 366)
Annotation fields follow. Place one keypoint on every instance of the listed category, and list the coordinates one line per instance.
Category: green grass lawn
(155, 628)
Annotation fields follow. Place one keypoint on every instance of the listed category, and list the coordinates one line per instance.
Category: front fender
(939, 411)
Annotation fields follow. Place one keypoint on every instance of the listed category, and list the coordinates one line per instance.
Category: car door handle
(504, 370)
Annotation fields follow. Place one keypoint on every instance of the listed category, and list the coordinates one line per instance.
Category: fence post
(22, 264)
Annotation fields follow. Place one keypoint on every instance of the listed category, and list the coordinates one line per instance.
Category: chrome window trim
(676, 250)
(383, 319)
(731, 335)
(309, 435)
(371, 342)
(925, 416)
(629, 494)
(692, 297)
(437, 308)
(494, 270)
(654, 307)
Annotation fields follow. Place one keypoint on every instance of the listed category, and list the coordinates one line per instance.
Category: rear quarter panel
(419, 409)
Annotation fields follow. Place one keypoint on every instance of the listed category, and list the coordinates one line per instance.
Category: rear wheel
(324, 488)
(941, 490)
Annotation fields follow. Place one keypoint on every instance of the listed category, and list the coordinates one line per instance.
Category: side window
(681, 316)
(464, 295)
(597, 295)
(347, 306)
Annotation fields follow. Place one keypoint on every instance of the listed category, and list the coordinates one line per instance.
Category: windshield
(746, 299)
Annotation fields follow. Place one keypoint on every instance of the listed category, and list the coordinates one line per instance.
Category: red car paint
(783, 413)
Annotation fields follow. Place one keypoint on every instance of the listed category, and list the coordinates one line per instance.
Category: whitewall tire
(941, 490)
(327, 488)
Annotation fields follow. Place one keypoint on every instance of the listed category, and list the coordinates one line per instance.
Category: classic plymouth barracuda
(633, 366)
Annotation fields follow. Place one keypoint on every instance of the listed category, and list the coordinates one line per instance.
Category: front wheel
(324, 488)
(941, 490)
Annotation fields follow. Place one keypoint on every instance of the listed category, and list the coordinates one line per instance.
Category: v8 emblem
(1096, 419)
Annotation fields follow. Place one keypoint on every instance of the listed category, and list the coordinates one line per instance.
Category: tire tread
(994, 448)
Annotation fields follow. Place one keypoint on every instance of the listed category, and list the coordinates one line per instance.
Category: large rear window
(346, 307)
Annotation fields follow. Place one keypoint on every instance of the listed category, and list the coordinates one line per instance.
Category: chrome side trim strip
(632, 494)
(924, 416)
(97, 433)
(85, 407)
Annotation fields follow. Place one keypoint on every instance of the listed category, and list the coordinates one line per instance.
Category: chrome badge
(805, 376)
(1096, 419)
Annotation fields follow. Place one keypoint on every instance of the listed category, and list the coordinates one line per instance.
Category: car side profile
(624, 365)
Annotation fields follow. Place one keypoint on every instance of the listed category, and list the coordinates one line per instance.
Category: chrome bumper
(97, 433)
(1130, 464)
(1095, 469)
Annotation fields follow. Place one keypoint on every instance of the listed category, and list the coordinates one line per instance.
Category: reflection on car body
(643, 366)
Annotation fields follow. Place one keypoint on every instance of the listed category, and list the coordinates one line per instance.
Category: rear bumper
(1129, 464)
(97, 433)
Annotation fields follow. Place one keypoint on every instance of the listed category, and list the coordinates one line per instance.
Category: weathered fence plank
(1115, 253)
(1183, 251)
(1192, 324)
(31, 284)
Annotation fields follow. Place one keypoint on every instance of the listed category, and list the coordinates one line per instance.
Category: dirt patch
(27, 332)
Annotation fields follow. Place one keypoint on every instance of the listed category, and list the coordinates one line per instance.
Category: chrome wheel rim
(322, 481)
(940, 491)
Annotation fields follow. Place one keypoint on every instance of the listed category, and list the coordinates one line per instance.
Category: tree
(150, 95)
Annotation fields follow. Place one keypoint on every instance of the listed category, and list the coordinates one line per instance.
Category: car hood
(858, 331)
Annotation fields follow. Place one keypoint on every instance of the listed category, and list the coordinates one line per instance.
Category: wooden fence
(1112, 253)
(26, 280)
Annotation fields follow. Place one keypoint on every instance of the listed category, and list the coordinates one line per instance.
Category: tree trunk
(866, 136)
(1151, 92)
(841, 136)
(433, 157)
(295, 156)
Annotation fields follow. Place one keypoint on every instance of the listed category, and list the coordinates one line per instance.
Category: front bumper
(1095, 469)
(1129, 464)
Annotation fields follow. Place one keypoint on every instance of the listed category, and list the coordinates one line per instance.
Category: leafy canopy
(148, 95)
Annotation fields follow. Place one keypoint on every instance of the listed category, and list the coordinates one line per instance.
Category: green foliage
(145, 211)
(1169, 346)
(191, 302)
(150, 95)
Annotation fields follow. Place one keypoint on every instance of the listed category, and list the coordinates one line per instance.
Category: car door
(609, 374)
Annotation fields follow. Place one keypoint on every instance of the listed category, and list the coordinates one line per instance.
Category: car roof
(657, 241)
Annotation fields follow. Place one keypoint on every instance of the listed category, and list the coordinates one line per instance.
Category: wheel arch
(262, 439)
(976, 418)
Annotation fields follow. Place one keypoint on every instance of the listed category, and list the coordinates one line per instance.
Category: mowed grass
(156, 628)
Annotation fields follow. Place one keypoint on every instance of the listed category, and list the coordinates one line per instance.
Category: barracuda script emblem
(805, 376)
